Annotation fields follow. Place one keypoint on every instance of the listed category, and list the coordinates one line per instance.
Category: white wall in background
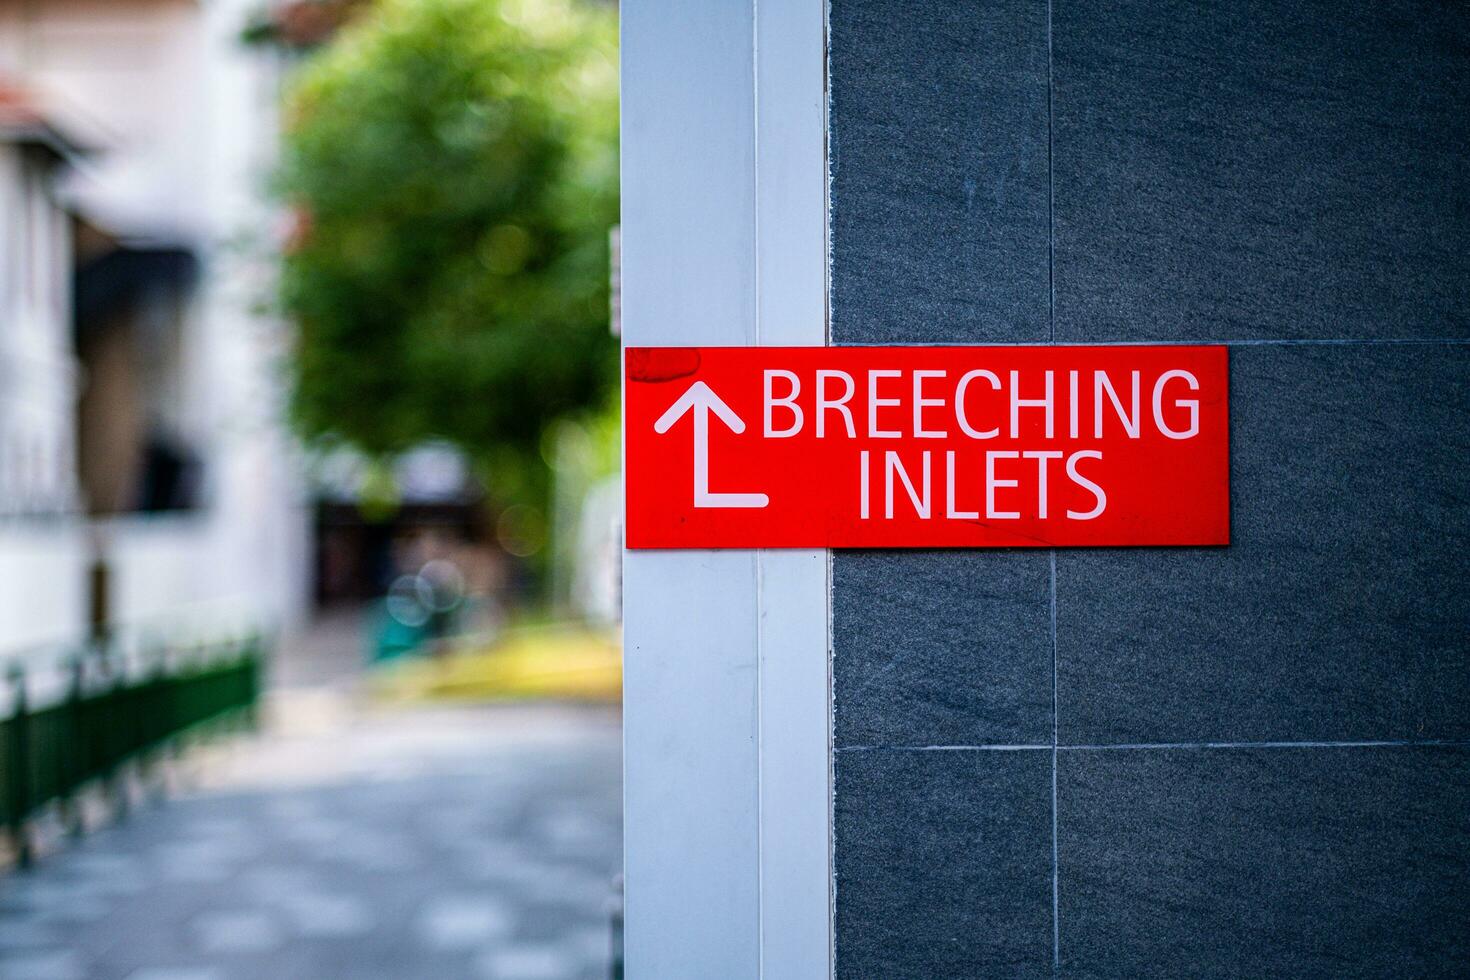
(186, 121)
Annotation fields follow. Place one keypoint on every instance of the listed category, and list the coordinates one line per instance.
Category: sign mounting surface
(896, 447)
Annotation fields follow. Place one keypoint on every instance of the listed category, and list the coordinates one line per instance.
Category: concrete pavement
(437, 843)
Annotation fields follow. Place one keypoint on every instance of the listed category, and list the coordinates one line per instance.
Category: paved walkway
(476, 842)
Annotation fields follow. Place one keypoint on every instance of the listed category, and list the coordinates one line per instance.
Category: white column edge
(794, 657)
(690, 674)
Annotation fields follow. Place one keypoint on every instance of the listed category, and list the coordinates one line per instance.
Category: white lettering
(1041, 457)
(840, 405)
(949, 509)
(892, 466)
(1072, 402)
(1190, 403)
(1130, 419)
(1086, 484)
(789, 403)
(959, 403)
(874, 403)
(991, 483)
(1018, 403)
(921, 403)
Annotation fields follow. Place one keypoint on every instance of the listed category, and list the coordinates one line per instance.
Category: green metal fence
(112, 716)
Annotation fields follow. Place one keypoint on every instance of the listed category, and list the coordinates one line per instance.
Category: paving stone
(238, 932)
(273, 883)
(373, 851)
(278, 908)
(569, 886)
(329, 916)
(528, 963)
(315, 832)
(18, 933)
(194, 871)
(51, 965)
(592, 944)
(105, 866)
(464, 921)
(67, 903)
(176, 973)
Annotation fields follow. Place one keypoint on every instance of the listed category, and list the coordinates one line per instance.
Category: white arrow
(701, 401)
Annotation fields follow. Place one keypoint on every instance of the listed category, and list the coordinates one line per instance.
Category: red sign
(910, 447)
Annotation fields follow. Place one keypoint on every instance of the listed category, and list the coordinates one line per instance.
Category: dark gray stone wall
(1240, 762)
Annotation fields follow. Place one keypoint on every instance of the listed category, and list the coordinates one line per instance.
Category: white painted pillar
(726, 679)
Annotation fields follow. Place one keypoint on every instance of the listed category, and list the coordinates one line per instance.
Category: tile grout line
(1360, 744)
(942, 748)
(1056, 905)
(1051, 282)
(1163, 746)
(1196, 342)
(1051, 220)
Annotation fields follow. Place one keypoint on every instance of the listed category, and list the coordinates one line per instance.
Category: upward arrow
(701, 400)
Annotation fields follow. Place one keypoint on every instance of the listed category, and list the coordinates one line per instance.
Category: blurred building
(145, 473)
(373, 526)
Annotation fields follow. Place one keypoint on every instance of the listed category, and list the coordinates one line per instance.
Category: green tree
(454, 167)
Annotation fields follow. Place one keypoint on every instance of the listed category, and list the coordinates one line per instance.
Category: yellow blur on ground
(547, 662)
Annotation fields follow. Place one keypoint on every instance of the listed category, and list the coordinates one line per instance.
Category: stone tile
(938, 157)
(943, 863)
(941, 647)
(271, 883)
(315, 832)
(200, 861)
(193, 872)
(280, 908)
(106, 867)
(373, 851)
(464, 921)
(317, 916)
(48, 965)
(291, 809)
(235, 828)
(1264, 170)
(452, 822)
(527, 962)
(570, 886)
(592, 944)
(53, 901)
(1339, 610)
(1326, 862)
(575, 831)
(515, 869)
(51, 890)
(17, 933)
(237, 931)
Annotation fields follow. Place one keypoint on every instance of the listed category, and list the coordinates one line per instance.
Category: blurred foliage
(589, 444)
(549, 661)
(582, 452)
(453, 166)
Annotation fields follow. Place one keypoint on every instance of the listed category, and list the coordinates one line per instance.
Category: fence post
(143, 709)
(75, 749)
(18, 766)
(254, 666)
(114, 670)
